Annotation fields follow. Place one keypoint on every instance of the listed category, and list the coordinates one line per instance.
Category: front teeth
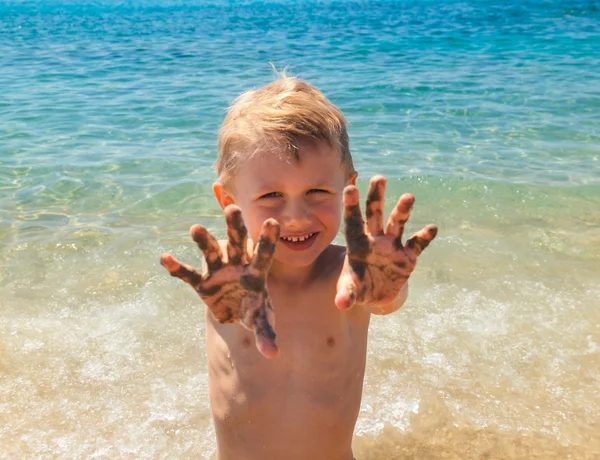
(299, 239)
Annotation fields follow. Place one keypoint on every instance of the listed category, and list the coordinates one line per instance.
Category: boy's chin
(296, 260)
(301, 259)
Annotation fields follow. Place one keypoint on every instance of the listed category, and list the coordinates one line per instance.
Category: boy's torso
(304, 403)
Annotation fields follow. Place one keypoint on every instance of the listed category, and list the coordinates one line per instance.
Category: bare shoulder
(330, 263)
(223, 246)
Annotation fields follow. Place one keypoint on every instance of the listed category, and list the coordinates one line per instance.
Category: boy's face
(304, 196)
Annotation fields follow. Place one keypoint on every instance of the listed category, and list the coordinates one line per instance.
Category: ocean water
(488, 112)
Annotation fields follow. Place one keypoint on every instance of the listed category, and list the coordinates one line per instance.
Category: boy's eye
(317, 190)
(271, 195)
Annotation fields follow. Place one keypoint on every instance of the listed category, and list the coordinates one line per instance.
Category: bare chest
(321, 358)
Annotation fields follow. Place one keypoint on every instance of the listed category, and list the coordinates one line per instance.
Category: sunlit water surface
(488, 112)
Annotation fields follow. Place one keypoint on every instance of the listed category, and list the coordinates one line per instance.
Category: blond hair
(277, 118)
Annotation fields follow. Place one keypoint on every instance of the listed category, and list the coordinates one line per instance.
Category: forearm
(388, 307)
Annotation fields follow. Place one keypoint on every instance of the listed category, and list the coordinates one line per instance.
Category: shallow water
(488, 113)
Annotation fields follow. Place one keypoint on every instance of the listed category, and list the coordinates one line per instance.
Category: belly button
(246, 342)
(330, 342)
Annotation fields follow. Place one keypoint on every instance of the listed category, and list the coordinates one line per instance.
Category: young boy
(284, 164)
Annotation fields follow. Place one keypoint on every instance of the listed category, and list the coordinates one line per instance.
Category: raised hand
(234, 289)
(378, 263)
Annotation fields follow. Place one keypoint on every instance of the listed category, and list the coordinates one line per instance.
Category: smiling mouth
(297, 239)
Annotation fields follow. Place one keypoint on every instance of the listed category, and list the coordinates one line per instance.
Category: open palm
(234, 288)
(379, 264)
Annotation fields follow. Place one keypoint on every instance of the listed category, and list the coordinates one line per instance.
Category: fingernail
(267, 347)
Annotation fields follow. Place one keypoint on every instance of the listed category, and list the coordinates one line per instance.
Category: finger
(354, 224)
(237, 235)
(209, 247)
(420, 240)
(263, 331)
(345, 297)
(265, 249)
(374, 209)
(184, 272)
(354, 228)
(398, 218)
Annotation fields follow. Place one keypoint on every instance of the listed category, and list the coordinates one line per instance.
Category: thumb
(346, 292)
(264, 334)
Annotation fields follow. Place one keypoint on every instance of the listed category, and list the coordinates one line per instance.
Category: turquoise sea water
(489, 112)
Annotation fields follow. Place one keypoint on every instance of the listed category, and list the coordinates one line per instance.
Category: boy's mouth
(299, 242)
(297, 239)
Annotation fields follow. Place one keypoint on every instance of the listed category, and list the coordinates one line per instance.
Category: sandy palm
(234, 289)
(379, 264)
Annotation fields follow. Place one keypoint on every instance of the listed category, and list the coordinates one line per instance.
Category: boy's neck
(282, 274)
(298, 277)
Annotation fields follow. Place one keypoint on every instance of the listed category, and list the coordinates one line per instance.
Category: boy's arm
(378, 264)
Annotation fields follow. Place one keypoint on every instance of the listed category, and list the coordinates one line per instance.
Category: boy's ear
(352, 178)
(223, 197)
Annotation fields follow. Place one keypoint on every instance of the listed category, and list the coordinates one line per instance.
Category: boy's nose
(296, 214)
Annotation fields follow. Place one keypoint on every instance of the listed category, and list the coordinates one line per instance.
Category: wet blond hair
(277, 118)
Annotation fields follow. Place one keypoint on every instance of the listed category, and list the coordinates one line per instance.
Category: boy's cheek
(254, 223)
(334, 213)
